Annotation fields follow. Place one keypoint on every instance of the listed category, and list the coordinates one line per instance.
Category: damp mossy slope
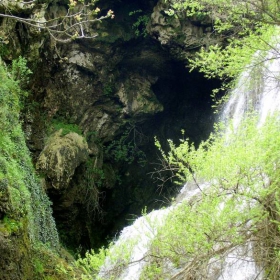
(25, 213)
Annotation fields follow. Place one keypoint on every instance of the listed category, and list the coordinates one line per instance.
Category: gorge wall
(95, 106)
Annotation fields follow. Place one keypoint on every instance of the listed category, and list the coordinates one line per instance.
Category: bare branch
(75, 24)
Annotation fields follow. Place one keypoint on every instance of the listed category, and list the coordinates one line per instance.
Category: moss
(25, 214)
(58, 124)
(48, 265)
(4, 50)
(61, 156)
(11, 226)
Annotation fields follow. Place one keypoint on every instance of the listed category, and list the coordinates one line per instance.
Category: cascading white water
(141, 234)
(257, 91)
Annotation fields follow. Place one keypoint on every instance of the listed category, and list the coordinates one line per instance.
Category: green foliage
(11, 225)
(18, 79)
(245, 27)
(230, 61)
(108, 89)
(125, 149)
(140, 25)
(4, 50)
(91, 183)
(215, 159)
(48, 265)
(95, 176)
(58, 124)
(240, 166)
(27, 200)
(4, 41)
(93, 136)
(92, 263)
(119, 150)
(38, 266)
(20, 72)
(110, 261)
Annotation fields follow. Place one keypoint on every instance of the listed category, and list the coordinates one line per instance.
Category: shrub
(239, 202)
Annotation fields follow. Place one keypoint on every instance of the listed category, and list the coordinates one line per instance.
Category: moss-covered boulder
(61, 156)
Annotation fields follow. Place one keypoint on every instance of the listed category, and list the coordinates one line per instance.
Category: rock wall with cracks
(120, 90)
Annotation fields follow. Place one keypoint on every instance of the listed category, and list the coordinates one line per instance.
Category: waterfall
(257, 91)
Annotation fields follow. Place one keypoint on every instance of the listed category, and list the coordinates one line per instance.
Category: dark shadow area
(187, 105)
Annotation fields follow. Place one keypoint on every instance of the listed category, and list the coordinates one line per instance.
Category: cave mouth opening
(186, 98)
(188, 106)
(187, 102)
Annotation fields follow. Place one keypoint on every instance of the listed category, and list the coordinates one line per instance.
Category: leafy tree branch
(73, 24)
(246, 26)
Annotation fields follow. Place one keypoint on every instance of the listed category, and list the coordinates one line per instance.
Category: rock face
(9, 258)
(137, 97)
(181, 35)
(120, 90)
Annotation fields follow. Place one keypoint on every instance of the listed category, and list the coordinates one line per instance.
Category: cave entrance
(187, 102)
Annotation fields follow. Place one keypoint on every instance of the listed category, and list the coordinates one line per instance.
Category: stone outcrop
(137, 97)
(181, 35)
